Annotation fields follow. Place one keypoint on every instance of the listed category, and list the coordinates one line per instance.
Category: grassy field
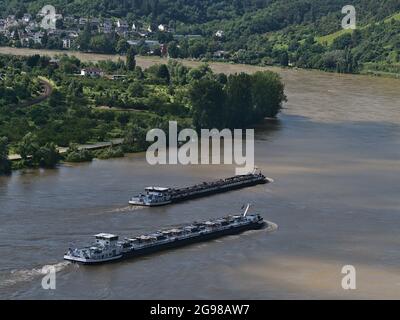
(395, 17)
(329, 38)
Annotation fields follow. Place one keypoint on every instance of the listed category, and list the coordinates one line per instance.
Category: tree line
(236, 101)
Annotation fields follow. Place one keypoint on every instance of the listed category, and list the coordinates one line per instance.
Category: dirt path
(47, 90)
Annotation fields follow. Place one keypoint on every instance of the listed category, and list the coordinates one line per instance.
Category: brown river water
(334, 156)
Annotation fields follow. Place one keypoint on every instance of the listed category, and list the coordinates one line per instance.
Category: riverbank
(89, 147)
(147, 61)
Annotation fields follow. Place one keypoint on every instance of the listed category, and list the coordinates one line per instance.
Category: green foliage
(242, 101)
(110, 153)
(267, 94)
(5, 164)
(34, 154)
(136, 89)
(78, 155)
(16, 87)
(28, 146)
(130, 59)
(208, 101)
(135, 139)
(159, 73)
(47, 156)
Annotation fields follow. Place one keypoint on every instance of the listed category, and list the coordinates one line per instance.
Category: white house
(219, 34)
(92, 72)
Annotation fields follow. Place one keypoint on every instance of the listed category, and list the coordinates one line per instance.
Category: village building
(122, 27)
(83, 21)
(66, 43)
(220, 34)
(92, 72)
(162, 28)
(26, 18)
(220, 54)
(107, 26)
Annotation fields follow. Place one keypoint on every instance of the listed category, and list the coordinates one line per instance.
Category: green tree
(267, 92)
(122, 46)
(103, 43)
(5, 163)
(47, 156)
(84, 38)
(196, 49)
(135, 138)
(78, 155)
(199, 73)
(57, 100)
(28, 147)
(130, 59)
(208, 101)
(284, 59)
(173, 49)
(240, 112)
(136, 89)
(163, 73)
(33, 154)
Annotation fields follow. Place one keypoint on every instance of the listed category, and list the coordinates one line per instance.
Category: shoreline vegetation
(87, 109)
(370, 69)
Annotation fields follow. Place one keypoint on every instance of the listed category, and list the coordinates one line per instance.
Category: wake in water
(271, 226)
(128, 209)
(18, 276)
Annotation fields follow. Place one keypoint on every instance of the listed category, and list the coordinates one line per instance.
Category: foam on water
(128, 209)
(25, 275)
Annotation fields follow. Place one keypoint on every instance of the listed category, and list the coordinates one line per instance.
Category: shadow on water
(268, 128)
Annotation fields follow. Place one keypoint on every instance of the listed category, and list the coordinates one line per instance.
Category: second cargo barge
(159, 196)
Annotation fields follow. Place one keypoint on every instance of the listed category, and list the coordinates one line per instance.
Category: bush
(5, 164)
(110, 153)
(78, 155)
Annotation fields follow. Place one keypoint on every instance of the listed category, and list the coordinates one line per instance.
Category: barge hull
(183, 242)
(200, 194)
(217, 191)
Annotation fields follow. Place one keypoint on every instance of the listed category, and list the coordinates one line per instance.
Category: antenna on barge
(247, 209)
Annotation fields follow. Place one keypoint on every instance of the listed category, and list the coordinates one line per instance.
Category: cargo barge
(160, 196)
(108, 247)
